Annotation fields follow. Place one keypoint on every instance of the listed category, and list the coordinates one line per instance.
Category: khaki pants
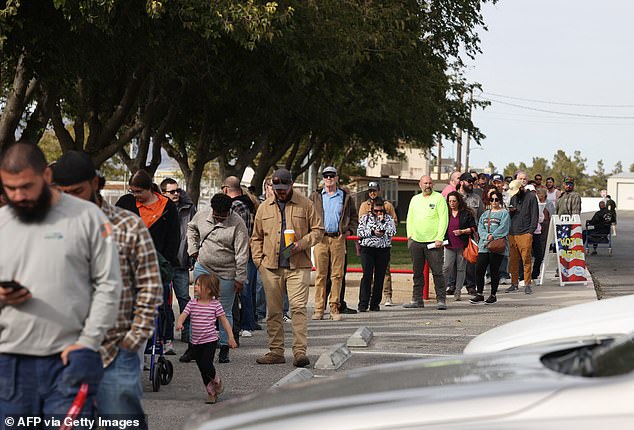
(330, 250)
(387, 284)
(295, 284)
(521, 246)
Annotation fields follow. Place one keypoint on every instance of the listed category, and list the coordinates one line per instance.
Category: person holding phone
(63, 291)
(375, 232)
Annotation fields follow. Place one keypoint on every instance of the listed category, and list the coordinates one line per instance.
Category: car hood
(598, 319)
(400, 395)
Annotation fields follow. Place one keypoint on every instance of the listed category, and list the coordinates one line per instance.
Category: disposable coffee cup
(289, 236)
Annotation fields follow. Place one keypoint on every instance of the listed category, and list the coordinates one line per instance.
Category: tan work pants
(521, 246)
(295, 284)
(331, 250)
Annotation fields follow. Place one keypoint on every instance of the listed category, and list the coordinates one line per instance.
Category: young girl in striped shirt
(203, 312)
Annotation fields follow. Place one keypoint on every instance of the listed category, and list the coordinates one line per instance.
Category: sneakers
(270, 358)
(316, 316)
(478, 298)
(286, 318)
(388, 302)
(348, 311)
(246, 333)
(504, 281)
(457, 294)
(441, 306)
(168, 348)
(300, 360)
(375, 308)
(490, 300)
(211, 399)
(413, 305)
(521, 283)
(528, 289)
(512, 289)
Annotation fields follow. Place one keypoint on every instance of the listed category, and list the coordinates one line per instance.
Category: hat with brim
(281, 179)
(514, 187)
(373, 186)
(530, 187)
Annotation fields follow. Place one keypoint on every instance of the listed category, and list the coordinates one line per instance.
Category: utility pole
(439, 157)
(468, 151)
(459, 143)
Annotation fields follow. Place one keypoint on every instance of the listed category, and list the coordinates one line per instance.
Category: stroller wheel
(165, 374)
(156, 377)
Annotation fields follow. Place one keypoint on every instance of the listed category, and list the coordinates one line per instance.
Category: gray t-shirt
(70, 264)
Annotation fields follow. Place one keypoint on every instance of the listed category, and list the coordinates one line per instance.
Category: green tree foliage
(632, 167)
(618, 168)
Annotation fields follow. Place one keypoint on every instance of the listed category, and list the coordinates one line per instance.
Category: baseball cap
(72, 168)
(530, 187)
(569, 180)
(467, 177)
(281, 179)
(373, 186)
(514, 187)
(497, 177)
(329, 169)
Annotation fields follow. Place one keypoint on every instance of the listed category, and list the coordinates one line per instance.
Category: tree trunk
(14, 105)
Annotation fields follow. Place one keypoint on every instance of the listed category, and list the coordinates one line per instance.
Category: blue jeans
(180, 284)
(247, 316)
(227, 296)
(120, 390)
(33, 387)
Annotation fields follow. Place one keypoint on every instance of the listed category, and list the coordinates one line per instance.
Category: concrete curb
(360, 338)
(295, 377)
(333, 359)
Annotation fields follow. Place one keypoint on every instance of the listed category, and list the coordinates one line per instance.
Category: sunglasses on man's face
(172, 192)
(378, 211)
(494, 199)
(329, 176)
(277, 181)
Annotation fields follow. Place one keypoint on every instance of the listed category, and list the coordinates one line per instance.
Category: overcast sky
(566, 53)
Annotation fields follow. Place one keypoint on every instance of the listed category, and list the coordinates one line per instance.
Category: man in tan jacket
(285, 271)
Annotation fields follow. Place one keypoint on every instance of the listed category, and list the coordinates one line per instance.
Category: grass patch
(400, 258)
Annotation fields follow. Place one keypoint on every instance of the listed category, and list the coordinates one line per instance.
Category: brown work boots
(335, 315)
(271, 358)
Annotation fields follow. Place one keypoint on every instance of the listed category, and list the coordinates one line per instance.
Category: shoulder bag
(497, 246)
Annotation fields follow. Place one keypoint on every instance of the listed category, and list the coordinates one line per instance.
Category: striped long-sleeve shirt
(369, 224)
(142, 289)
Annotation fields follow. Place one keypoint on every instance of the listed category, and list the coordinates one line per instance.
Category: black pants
(493, 261)
(374, 262)
(204, 356)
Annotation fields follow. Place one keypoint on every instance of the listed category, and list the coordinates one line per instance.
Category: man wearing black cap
(339, 214)
(285, 269)
(59, 259)
(374, 191)
(569, 202)
(120, 391)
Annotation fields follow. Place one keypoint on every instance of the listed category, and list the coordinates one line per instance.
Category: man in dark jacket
(524, 211)
(339, 216)
(160, 216)
(180, 281)
(601, 222)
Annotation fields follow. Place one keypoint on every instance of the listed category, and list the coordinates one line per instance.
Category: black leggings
(204, 356)
(492, 260)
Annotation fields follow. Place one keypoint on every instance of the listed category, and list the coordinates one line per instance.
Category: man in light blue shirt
(339, 216)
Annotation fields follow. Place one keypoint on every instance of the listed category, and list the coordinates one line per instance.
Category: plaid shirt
(242, 210)
(142, 290)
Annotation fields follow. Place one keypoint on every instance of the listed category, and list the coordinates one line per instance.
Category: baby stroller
(161, 369)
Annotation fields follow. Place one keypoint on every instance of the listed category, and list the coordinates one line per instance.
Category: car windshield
(603, 358)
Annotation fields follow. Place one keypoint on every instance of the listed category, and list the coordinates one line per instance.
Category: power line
(581, 115)
(557, 103)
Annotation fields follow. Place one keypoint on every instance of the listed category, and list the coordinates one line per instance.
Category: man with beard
(180, 281)
(284, 272)
(569, 202)
(120, 391)
(427, 221)
(57, 252)
(552, 193)
(524, 217)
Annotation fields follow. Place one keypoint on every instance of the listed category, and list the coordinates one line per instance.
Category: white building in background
(621, 189)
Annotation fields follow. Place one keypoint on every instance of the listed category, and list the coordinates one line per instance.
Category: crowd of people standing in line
(251, 262)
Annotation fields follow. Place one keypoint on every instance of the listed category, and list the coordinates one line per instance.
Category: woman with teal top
(493, 224)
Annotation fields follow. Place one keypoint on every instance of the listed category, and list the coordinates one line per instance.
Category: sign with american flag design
(570, 251)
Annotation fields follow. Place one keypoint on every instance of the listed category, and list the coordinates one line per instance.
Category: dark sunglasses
(277, 181)
(172, 192)
(378, 211)
(494, 199)
(329, 176)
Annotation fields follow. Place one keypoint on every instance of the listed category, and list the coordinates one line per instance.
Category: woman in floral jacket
(375, 232)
